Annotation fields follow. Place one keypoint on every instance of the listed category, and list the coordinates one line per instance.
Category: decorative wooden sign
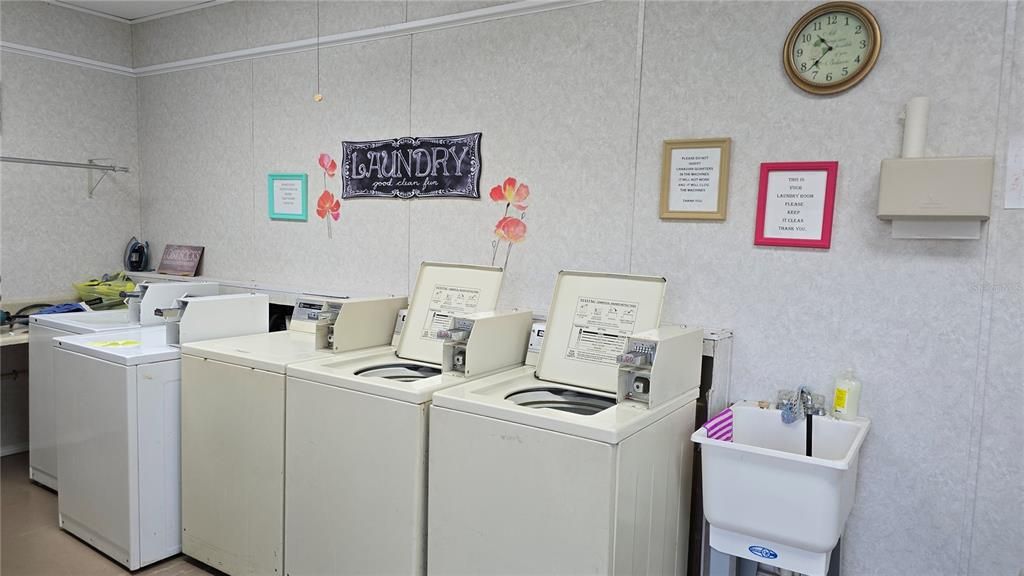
(425, 167)
(180, 260)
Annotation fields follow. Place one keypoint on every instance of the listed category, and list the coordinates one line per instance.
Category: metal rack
(90, 165)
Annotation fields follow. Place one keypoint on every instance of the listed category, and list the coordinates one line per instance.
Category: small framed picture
(695, 179)
(795, 203)
(286, 197)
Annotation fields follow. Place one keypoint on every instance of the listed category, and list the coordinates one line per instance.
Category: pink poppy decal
(510, 229)
(328, 204)
(509, 193)
(329, 165)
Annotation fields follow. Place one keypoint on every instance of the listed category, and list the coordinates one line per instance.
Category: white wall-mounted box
(936, 188)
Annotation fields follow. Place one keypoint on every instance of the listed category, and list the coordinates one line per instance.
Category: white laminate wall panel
(53, 233)
(196, 133)
(554, 96)
(367, 252)
(999, 505)
(905, 314)
(220, 28)
(244, 24)
(272, 22)
(999, 494)
(52, 27)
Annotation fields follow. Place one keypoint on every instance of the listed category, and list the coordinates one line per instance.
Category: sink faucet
(795, 405)
(802, 404)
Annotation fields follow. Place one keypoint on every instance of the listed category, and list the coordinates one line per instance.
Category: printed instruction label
(445, 302)
(601, 329)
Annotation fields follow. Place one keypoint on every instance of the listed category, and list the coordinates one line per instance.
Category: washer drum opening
(561, 399)
(400, 371)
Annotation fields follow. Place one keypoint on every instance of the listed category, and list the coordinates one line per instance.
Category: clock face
(832, 48)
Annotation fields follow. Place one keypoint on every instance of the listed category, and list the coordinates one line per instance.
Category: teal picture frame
(288, 197)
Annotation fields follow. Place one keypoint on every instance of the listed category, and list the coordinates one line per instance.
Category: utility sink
(767, 501)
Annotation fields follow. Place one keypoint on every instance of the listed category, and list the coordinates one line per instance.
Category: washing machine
(233, 429)
(578, 465)
(43, 328)
(356, 432)
(118, 427)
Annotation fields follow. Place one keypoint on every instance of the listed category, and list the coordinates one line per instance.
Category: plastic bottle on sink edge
(846, 402)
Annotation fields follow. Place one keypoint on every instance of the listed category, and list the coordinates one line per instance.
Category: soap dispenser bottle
(846, 402)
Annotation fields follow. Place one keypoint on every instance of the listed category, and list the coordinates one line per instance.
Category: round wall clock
(832, 48)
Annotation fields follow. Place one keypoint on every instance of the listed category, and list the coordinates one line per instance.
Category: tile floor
(31, 544)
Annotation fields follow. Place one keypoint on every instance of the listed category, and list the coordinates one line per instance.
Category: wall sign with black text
(424, 167)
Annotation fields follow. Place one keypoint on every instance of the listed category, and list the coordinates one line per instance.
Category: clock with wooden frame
(832, 48)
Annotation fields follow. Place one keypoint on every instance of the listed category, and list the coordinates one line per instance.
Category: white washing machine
(118, 479)
(233, 431)
(356, 436)
(118, 428)
(579, 465)
(43, 328)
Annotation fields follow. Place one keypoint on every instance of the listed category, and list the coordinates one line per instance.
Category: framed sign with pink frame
(795, 203)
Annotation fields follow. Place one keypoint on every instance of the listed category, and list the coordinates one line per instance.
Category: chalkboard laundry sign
(424, 167)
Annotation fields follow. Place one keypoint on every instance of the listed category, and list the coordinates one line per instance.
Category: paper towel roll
(915, 127)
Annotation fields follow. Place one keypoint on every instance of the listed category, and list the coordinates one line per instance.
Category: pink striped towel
(720, 427)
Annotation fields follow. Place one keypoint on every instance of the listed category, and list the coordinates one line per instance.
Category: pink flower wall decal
(329, 165)
(328, 204)
(510, 229)
(509, 193)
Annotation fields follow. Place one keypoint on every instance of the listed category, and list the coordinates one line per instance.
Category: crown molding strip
(65, 58)
(522, 8)
(510, 10)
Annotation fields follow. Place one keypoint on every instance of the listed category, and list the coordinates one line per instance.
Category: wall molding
(511, 10)
(65, 58)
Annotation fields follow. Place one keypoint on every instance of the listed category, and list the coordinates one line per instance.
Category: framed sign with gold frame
(695, 179)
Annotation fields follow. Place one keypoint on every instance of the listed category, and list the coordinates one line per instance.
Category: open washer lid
(442, 291)
(591, 318)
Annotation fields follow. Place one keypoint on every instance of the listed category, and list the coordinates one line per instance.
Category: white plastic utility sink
(766, 501)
